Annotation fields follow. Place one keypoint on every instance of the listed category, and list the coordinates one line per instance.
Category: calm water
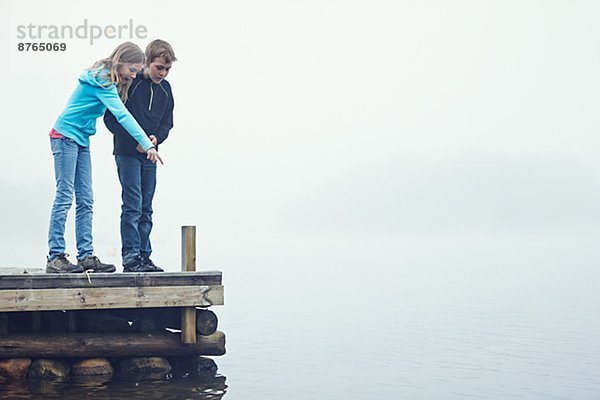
(173, 389)
(416, 318)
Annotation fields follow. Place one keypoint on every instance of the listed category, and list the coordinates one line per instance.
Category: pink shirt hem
(54, 134)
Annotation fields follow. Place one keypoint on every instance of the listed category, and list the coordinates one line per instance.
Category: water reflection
(179, 387)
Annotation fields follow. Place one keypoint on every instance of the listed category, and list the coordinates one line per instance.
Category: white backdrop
(322, 121)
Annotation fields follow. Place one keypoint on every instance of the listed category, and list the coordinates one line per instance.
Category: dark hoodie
(152, 106)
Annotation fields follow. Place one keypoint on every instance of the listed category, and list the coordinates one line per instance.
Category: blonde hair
(159, 48)
(125, 53)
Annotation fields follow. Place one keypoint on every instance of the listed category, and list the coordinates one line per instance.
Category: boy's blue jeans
(73, 174)
(138, 182)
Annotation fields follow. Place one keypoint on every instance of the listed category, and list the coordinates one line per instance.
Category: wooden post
(188, 263)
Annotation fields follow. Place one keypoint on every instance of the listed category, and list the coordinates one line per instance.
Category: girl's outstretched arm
(110, 98)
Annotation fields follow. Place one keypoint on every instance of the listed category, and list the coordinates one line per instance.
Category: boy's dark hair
(159, 48)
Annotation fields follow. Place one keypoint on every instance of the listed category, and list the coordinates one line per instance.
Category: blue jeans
(138, 182)
(73, 174)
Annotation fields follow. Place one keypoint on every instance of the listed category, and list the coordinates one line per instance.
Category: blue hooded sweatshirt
(92, 96)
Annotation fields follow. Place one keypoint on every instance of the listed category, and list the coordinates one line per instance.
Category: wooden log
(199, 366)
(19, 322)
(71, 321)
(206, 320)
(54, 322)
(3, 323)
(143, 368)
(112, 297)
(101, 321)
(87, 345)
(14, 368)
(36, 322)
(148, 324)
(129, 279)
(188, 264)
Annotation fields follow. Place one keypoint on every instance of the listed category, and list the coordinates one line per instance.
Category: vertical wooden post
(188, 263)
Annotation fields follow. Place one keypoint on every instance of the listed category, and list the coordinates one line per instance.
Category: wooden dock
(85, 324)
(112, 315)
(38, 303)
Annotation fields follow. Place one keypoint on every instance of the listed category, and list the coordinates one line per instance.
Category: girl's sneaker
(61, 265)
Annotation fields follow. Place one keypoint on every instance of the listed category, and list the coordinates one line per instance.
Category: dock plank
(20, 270)
(87, 298)
(65, 281)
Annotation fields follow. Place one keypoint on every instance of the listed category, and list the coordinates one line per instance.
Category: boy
(150, 101)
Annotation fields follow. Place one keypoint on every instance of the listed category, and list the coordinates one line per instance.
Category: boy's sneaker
(61, 265)
(93, 263)
(148, 262)
(140, 264)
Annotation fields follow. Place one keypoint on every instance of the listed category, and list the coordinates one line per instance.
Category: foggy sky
(326, 118)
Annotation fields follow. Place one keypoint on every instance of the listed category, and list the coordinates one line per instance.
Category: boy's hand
(153, 156)
(152, 139)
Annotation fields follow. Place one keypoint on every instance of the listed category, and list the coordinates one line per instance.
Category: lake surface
(453, 317)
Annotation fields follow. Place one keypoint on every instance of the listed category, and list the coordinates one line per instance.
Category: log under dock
(85, 345)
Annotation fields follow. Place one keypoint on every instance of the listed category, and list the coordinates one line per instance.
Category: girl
(102, 86)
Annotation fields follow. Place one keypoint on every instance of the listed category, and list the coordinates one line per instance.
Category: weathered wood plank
(110, 297)
(84, 345)
(17, 270)
(48, 281)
